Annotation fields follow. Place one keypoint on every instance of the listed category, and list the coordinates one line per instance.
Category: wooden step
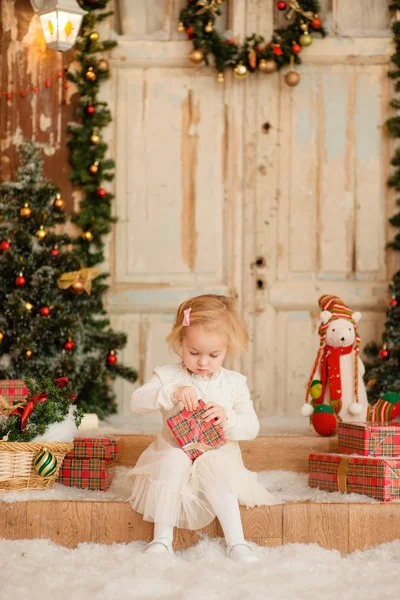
(343, 527)
(265, 453)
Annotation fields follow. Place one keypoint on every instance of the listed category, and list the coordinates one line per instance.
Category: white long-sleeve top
(225, 387)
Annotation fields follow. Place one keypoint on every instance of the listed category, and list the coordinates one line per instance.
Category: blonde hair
(213, 312)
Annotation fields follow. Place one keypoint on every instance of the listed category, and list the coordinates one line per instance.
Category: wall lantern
(60, 20)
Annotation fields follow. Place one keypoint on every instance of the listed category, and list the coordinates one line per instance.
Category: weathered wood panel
(363, 18)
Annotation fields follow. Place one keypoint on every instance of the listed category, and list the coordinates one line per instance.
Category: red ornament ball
(393, 302)
(101, 192)
(315, 23)
(260, 48)
(69, 345)
(281, 5)
(45, 311)
(55, 252)
(112, 359)
(383, 354)
(189, 32)
(324, 420)
(5, 246)
(90, 109)
(296, 48)
(277, 50)
(20, 281)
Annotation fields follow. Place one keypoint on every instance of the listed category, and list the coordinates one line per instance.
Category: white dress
(167, 486)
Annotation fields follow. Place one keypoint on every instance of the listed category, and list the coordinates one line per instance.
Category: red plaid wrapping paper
(377, 478)
(369, 439)
(91, 474)
(194, 435)
(102, 448)
(13, 390)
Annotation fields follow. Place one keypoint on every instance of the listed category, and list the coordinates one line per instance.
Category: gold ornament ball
(45, 463)
(267, 66)
(95, 138)
(304, 26)
(181, 27)
(1, 337)
(41, 233)
(94, 168)
(196, 57)
(78, 287)
(103, 65)
(220, 78)
(26, 211)
(240, 71)
(305, 40)
(94, 36)
(28, 353)
(292, 78)
(59, 202)
(28, 306)
(87, 235)
(90, 75)
(209, 27)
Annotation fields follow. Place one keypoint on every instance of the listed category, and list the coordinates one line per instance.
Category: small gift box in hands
(194, 434)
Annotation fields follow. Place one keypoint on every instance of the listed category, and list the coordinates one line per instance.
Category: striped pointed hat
(338, 310)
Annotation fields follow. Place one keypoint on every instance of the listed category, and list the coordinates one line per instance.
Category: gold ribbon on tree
(85, 276)
(207, 6)
(294, 6)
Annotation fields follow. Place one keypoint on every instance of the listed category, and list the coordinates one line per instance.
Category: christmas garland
(198, 19)
(88, 151)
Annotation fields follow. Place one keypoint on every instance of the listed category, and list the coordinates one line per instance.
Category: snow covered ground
(40, 570)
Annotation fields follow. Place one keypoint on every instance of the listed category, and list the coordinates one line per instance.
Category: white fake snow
(286, 485)
(40, 570)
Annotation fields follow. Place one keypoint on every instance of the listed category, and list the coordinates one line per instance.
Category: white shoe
(243, 553)
(158, 547)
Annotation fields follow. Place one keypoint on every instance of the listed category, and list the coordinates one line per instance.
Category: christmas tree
(382, 375)
(52, 317)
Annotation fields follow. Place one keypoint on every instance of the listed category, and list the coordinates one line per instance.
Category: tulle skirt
(169, 488)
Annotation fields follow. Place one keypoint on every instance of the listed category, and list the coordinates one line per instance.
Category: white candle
(89, 421)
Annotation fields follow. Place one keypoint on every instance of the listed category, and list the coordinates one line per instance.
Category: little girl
(169, 489)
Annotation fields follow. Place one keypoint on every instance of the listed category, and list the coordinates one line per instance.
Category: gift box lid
(103, 448)
(369, 439)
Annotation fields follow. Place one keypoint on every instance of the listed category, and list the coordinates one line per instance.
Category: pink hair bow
(186, 317)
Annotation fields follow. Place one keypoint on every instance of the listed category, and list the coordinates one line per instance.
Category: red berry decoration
(230, 42)
(112, 359)
(296, 48)
(45, 311)
(69, 346)
(101, 192)
(383, 354)
(5, 245)
(55, 252)
(189, 32)
(90, 109)
(20, 281)
(393, 302)
(260, 48)
(315, 23)
(281, 5)
(277, 50)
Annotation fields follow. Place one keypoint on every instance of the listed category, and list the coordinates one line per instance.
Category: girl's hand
(187, 395)
(214, 412)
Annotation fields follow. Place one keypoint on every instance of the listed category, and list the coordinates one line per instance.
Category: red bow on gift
(42, 397)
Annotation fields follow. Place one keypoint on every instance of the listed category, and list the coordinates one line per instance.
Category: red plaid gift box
(369, 439)
(377, 478)
(87, 474)
(194, 435)
(102, 448)
(13, 390)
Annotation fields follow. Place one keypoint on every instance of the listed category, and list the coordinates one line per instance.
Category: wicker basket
(16, 464)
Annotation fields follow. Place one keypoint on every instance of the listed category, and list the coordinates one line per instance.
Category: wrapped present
(194, 435)
(385, 409)
(369, 439)
(102, 448)
(93, 474)
(377, 478)
(13, 390)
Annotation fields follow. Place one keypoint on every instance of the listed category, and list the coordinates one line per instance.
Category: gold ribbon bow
(207, 6)
(308, 14)
(86, 275)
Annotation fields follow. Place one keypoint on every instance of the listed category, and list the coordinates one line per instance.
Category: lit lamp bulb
(60, 20)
